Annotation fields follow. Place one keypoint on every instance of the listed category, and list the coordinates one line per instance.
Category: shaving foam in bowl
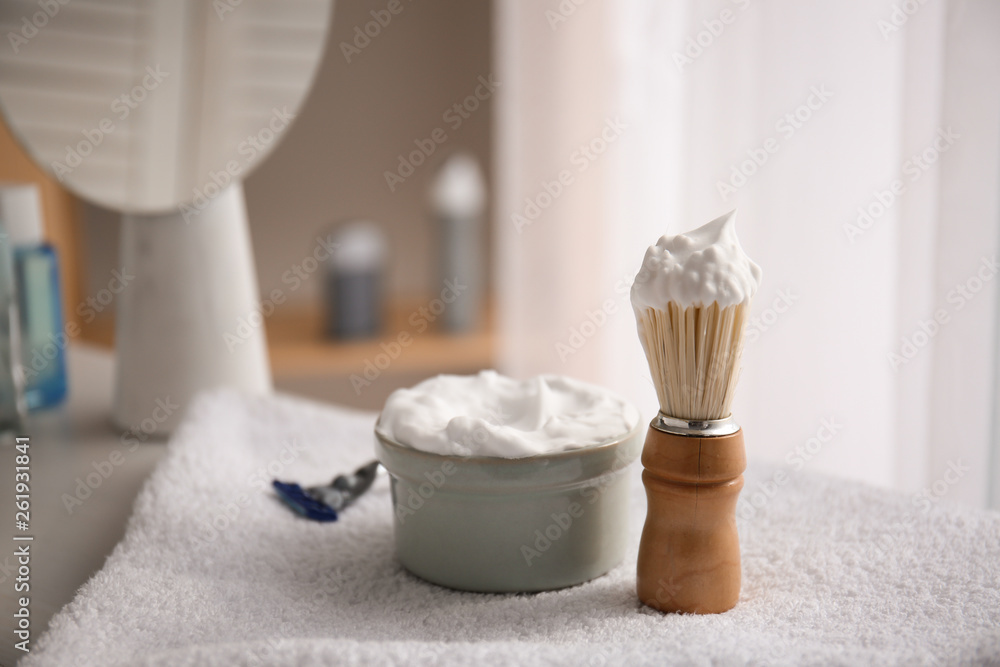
(500, 485)
(492, 415)
(697, 268)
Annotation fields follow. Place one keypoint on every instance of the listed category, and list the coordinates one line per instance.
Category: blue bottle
(36, 275)
(12, 406)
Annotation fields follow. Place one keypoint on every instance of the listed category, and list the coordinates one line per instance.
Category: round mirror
(159, 109)
(142, 106)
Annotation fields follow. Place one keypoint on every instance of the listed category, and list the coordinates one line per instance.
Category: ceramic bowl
(511, 525)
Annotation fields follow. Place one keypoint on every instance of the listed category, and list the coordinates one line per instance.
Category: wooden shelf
(298, 348)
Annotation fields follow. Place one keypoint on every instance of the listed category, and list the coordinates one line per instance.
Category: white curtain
(860, 142)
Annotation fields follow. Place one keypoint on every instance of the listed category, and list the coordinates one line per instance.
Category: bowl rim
(586, 450)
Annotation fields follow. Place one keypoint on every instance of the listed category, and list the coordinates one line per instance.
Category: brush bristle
(694, 357)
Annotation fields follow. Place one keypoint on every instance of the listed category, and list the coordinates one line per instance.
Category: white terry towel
(834, 573)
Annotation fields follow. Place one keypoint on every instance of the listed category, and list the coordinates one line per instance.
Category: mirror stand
(190, 319)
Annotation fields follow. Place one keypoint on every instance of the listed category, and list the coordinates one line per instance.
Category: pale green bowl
(499, 525)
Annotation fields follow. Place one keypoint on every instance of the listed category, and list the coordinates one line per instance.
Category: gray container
(498, 525)
(354, 281)
(458, 202)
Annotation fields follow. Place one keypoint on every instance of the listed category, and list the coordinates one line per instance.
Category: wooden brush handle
(689, 555)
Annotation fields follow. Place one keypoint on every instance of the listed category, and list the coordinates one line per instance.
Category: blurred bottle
(458, 203)
(12, 406)
(353, 283)
(36, 277)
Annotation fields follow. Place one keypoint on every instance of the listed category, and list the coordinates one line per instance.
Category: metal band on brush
(705, 428)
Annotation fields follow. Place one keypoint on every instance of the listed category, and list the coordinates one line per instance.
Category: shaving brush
(691, 302)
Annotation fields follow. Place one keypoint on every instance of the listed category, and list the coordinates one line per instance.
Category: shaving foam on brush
(691, 300)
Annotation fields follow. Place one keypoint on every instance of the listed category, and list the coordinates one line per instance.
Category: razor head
(304, 504)
(322, 503)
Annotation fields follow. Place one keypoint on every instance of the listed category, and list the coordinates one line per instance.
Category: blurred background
(859, 140)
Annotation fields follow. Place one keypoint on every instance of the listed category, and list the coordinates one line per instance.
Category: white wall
(825, 358)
